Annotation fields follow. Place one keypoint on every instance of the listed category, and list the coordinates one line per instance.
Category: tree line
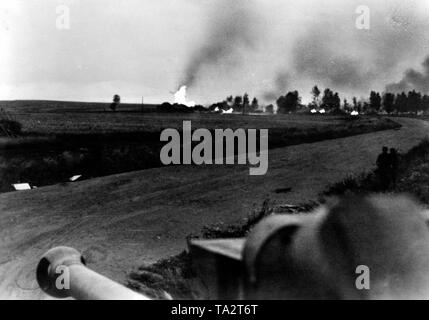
(331, 102)
(238, 103)
(411, 102)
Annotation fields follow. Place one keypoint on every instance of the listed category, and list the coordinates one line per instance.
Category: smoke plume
(231, 27)
(411, 80)
(331, 52)
(316, 58)
(309, 43)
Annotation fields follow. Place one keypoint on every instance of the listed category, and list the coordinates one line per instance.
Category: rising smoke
(316, 43)
(317, 57)
(412, 80)
(231, 27)
(334, 53)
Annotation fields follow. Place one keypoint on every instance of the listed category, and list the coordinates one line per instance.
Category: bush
(359, 184)
(9, 127)
(240, 230)
(174, 108)
(169, 277)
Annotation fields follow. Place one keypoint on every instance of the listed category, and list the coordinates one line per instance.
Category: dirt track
(121, 221)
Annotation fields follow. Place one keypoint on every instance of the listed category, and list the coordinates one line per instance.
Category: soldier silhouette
(384, 169)
(393, 162)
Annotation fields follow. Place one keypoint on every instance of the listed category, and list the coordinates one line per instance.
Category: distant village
(326, 102)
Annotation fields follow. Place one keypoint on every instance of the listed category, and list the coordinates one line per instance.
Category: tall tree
(254, 105)
(389, 102)
(401, 102)
(355, 104)
(336, 102)
(414, 101)
(359, 106)
(288, 103)
(246, 103)
(116, 102)
(327, 98)
(315, 92)
(375, 101)
(331, 101)
(238, 103)
(346, 106)
(425, 103)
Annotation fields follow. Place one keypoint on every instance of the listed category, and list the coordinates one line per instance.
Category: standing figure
(383, 169)
(393, 159)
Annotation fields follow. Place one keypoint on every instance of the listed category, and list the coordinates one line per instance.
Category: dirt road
(121, 221)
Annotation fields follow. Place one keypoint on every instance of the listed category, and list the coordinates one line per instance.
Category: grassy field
(108, 122)
(62, 139)
(41, 106)
(44, 117)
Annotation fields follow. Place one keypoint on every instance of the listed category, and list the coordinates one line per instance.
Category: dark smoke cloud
(315, 58)
(231, 27)
(319, 47)
(411, 80)
(333, 53)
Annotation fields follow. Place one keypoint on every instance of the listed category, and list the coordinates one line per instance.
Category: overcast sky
(148, 48)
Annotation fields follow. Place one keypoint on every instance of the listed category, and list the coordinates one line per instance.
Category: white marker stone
(21, 186)
(74, 178)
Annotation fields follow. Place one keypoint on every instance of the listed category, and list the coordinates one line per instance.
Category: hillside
(45, 106)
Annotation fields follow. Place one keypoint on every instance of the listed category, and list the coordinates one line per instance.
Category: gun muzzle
(62, 273)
